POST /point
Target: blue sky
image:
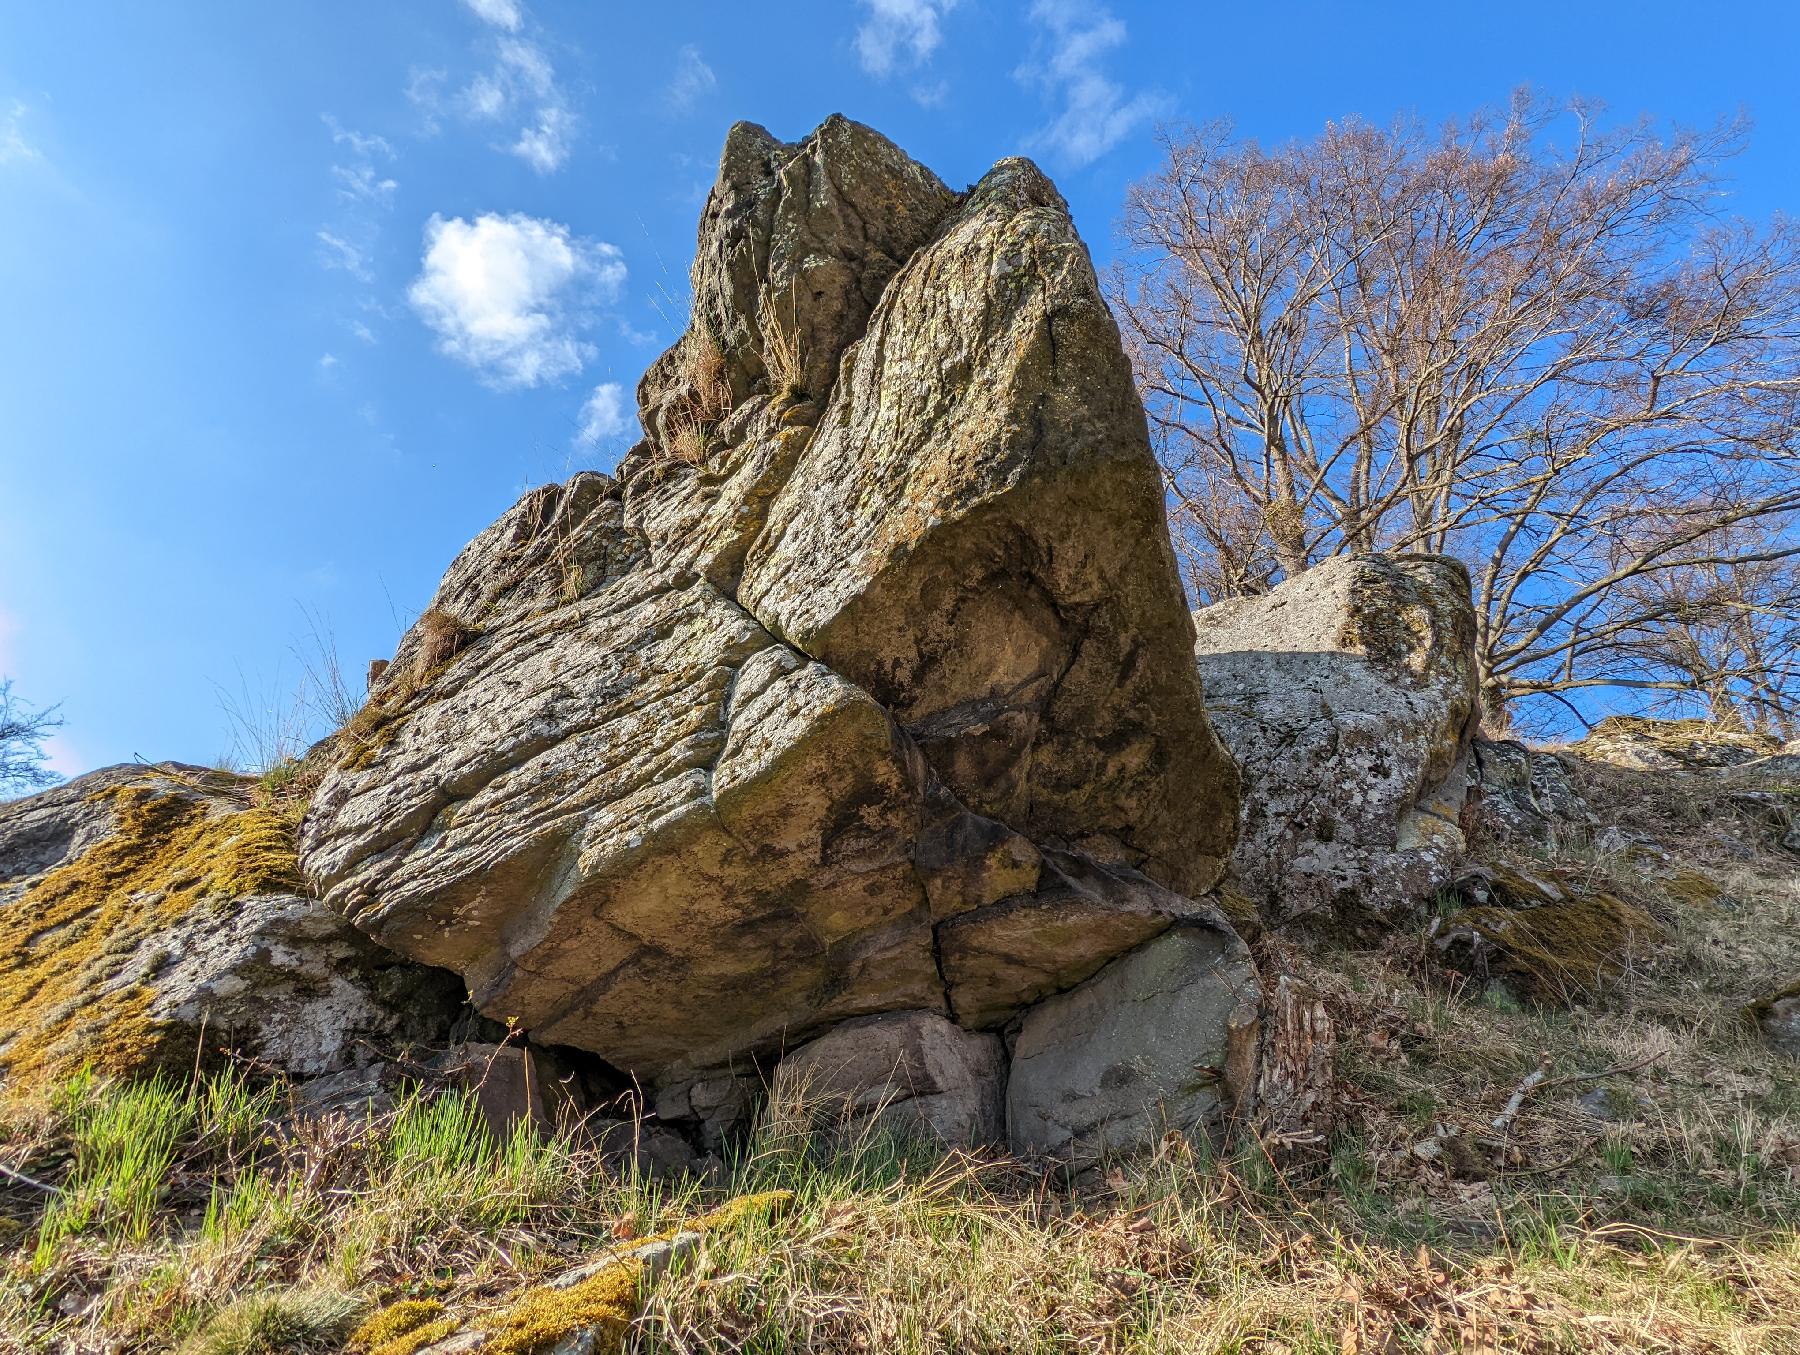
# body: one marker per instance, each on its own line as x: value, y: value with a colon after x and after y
x: 299, y: 296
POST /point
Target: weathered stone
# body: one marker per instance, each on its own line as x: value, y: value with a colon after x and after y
x: 514, y: 1084
x: 1348, y: 696
x: 641, y: 826
x: 915, y: 1073
x: 1777, y: 1017
x: 976, y: 537
x: 801, y: 239
x: 1008, y: 954
x: 796, y: 243
x: 1161, y: 1040
x: 1525, y: 793
x: 689, y: 768
x: 153, y: 915
x: 49, y: 829
x: 1645, y: 744
x: 719, y: 1104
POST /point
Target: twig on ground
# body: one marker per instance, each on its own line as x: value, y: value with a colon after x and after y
x: 11, y: 1175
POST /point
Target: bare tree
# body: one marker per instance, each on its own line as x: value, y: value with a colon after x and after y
x: 22, y: 734
x: 1552, y: 361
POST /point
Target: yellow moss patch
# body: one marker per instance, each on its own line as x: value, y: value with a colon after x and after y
x: 607, y: 1301
x: 397, y: 1319
x: 1565, y: 950
x: 68, y: 942
x: 769, y: 1204
x: 404, y: 1327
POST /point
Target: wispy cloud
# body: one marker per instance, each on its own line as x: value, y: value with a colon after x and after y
x: 1096, y: 111
x: 507, y: 14
x: 693, y: 78
x: 364, y: 192
x: 368, y: 147
x: 603, y: 417
x: 898, y: 34
x: 340, y: 253
x: 509, y: 295
x: 14, y: 147
x: 545, y: 144
x: 327, y: 361
x: 361, y: 183
x: 425, y: 91
x: 522, y: 85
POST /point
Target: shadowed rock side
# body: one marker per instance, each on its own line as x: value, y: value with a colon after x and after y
x: 865, y: 689
x: 1348, y: 696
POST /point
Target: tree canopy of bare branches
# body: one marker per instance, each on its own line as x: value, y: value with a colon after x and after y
x: 22, y: 734
x: 1552, y: 358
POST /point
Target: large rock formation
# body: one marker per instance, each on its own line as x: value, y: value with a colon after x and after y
x: 152, y: 915
x: 1348, y: 696
x: 866, y: 688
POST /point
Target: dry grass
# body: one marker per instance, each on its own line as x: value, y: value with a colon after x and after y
x: 781, y: 348
x: 1641, y: 1195
x: 701, y: 374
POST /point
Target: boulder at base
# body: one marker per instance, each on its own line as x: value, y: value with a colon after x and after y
x: 150, y: 916
x: 915, y: 1072
x: 878, y: 631
x: 1161, y: 1040
x: 1348, y: 696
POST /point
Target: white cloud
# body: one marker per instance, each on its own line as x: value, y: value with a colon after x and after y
x: 521, y: 84
x: 899, y: 33
x: 340, y: 253
x: 546, y: 145
x: 507, y: 14
x: 603, y: 417
x: 362, y: 331
x: 1096, y: 114
x: 14, y: 148
x: 693, y: 78
x: 507, y: 295
x: 327, y: 361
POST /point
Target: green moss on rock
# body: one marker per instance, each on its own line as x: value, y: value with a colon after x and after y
x: 69, y: 944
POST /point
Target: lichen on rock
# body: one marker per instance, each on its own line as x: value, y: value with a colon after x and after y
x: 1348, y: 695
x: 177, y: 907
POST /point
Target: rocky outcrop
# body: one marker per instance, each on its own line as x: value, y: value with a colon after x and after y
x: 1348, y: 697
x: 152, y: 915
x: 865, y: 689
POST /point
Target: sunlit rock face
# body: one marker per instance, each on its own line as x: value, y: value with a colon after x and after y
x: 866, y: 687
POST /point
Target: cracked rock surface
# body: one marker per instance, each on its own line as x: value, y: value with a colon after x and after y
x: 1348, y: 696
x: 866, y: 687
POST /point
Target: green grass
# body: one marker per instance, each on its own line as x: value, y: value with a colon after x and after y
x: 193, y: 1225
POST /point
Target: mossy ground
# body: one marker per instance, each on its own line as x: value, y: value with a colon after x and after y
x: 72, y: 944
